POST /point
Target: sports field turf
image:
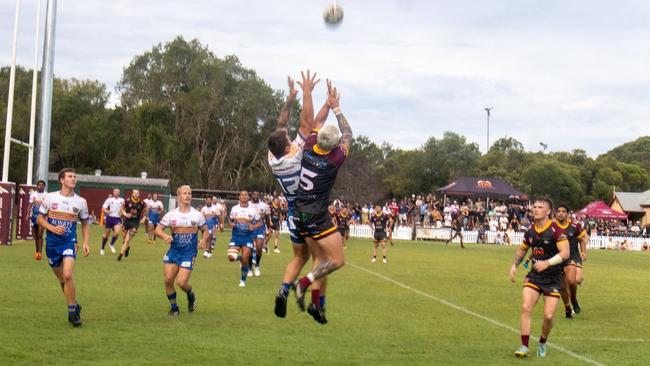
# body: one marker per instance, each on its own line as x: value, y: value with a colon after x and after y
x: 430, y: 305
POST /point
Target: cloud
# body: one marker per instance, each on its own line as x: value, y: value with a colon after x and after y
x: 570, y: 74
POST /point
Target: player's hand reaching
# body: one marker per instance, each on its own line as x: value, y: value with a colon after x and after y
x: 292, y: 88
x: 513, y: 271
x: 308, y: 82
x: 333, y: 97
x: 540, y: 266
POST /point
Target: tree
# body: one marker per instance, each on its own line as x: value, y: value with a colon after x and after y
x: 219, y: 112
x: 360, y: 178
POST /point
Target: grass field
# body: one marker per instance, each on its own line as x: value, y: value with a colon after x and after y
x: 430, y: 305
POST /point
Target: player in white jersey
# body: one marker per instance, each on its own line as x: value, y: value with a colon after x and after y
x: 244, y: 220
x: 155, y: 210
x: 58, y: 215
x: 147, y: 202
x: 209, y: 212
x: 261, y: 232
x: 112, y: 208
x: 35, y: 199
x: 184, y: 222
x: 285, y: 159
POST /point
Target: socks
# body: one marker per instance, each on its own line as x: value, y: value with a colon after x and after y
x: 104, y: 242
x: 286, y: 287
x: 172, y: 301
x: 72, y: 309
x: 315, y: 297
x: 190, y: 295
x: 258, y: 259
x: 322, y: 301
x: 244, y: 272
x: 524, y: 340
x: 306, y: 281
x: 113, y: 239
x: 542, y: 340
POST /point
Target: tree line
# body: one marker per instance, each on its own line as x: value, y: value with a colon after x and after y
x: 194, y: 118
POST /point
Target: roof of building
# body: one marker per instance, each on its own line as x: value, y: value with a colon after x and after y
x: 632, y: 201
x: 106, y: 179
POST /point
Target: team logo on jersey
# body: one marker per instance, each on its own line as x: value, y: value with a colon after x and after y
x: 75, y: 210
x: 55, y: 205
x: 173, y: 222
x: 193, y: 223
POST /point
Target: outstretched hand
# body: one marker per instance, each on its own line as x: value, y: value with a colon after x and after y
x: 333, y: 97
x: 292, y: 88
x: 308, y: 82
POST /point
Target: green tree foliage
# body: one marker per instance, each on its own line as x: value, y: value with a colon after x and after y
x: 634, y: 152
x: 190, y: 116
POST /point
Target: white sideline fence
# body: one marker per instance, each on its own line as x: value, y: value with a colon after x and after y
x: 471, y: 236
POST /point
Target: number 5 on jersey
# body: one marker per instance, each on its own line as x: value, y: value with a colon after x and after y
x: 305, y: 179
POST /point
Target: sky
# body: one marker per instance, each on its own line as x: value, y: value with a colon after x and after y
x: 571, y: 74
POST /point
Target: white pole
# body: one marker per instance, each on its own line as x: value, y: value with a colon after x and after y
x: 32, y: 116
x: 47, y: 78
x: 10, y: 102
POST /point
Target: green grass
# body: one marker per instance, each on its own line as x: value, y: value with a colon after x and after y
x: 372, y: 320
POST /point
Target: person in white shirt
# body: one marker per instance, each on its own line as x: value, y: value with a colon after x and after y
x: 244, y: 220
x: 112, y: 208
x: 35, y: 199
x: 58, y: 215
x: 155, y: 210
x: 185, y: 222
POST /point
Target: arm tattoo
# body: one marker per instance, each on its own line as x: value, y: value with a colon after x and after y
x: 323, y: 269
x: 346, y: 130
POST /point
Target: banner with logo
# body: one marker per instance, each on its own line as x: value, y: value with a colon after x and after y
x: 23, y: 223
x: 7, y: 194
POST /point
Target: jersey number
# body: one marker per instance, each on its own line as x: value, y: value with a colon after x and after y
x: 305, y: 179
x: 289, y: 185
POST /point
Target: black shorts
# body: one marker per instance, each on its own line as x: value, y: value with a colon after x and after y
x: 275, y: 225
x: 344, y: 231
x: 380, y: 236
x: 548, y: 285
x: 130, y: 224
x: 316, y: 226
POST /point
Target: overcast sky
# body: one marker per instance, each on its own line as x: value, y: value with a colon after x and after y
x: 571, y: 74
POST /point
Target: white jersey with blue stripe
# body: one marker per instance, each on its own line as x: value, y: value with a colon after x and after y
x: 286, y: 170
x: 185, y: 227
x: 211, y: 214
x: 63, y: 211
x: 243, y: 216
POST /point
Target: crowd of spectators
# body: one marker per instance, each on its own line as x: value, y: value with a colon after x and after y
x: 503, y: 217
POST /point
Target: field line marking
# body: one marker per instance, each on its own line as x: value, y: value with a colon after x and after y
x: 605, y: 339
x: 472, y: 313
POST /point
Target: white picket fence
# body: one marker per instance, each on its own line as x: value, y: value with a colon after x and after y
x: 595, y: 241
x: 471, y: 236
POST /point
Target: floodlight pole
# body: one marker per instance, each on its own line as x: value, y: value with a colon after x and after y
x: 45, y: 120
x: 10, y: 101
x: 487, y: 148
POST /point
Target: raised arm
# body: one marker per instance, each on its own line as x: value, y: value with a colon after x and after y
x: 307, y: 114
x: 333, y: 98
x: 285, y: 113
